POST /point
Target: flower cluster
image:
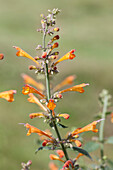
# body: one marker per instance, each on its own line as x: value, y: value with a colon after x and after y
x: 46, y: 96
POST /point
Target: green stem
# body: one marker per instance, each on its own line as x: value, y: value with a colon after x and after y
x: 49, y: 96
x: 101, y: 131
x: 54, y: 124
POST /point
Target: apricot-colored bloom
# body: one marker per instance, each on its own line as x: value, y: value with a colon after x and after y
x: 29, y: 89
x: 52, y: 166
x: 60, y: 153
x: 78, y: 143
x: 65, y: 115
x: 33, y: 129
x: 78, y: 156
x: 22, y: 53
x: 55, y: 157
x: 78, y: 88
x: 33, y: 99
x: 68, y: 81
x: 51, y: 105
x: 40, y: 114
x: 89, y: 127
x: 112, y: 117
x: 70, y: 55
x: 8, y: 95
x: 29, y: 80
x: 67, y: 164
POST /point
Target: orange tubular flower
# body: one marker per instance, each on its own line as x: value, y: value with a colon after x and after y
x: 29, y: 80
x: 33, y: 129
x: 51, y: 105
x: 8, y: 95
x: 89, y: 127
x: 78, y: 156
x: 68, y: 81
x: 40, y: 114
x: 29, y: 89
x: 33, y: 99
x: 22, y: 53
x: 78, y: 88
x: 67, y: 164
x: 52, y: 166
x: 67, y: 56
x: 60, y: 153
x: 55, y: 157
x: 65, y: 116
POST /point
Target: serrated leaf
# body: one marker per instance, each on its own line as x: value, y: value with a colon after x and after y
x: 80, y: 150
x: 110, y: 140
x: 61, y: 125
x: 91, y: 146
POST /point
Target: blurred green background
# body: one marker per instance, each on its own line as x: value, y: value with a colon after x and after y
x: 85, y: 25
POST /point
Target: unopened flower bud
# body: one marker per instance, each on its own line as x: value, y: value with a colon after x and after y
x: 56, y: 29
x: 44, y: 54
x: 37, y: 58
x: 39, y: 47
x: 56, y: 37
x: 55, y: 53
x: 55, y: 45
x: 1, y: 56
x: 32, y: 67
x: 42, y: 16
x: 29, y: 163
x: 40, y: 30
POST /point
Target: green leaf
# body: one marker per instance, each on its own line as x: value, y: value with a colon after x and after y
x: 81, y: 151
x: 108, y: 113
x: 76, y: 167
x: 91, y: 146
x: 110, y: 163
x: 110, y: 140
x: 61, y: 125
x: 40, y: 148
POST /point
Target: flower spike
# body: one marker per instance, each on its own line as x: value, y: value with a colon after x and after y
x: 70, y: 55
x: 22, y: 53
x: 29, y: 89
x: 29, y: 80
x: 8, y: 95
x: 78, y: 88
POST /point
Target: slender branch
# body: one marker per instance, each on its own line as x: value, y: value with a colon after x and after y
x: 101, y: 131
